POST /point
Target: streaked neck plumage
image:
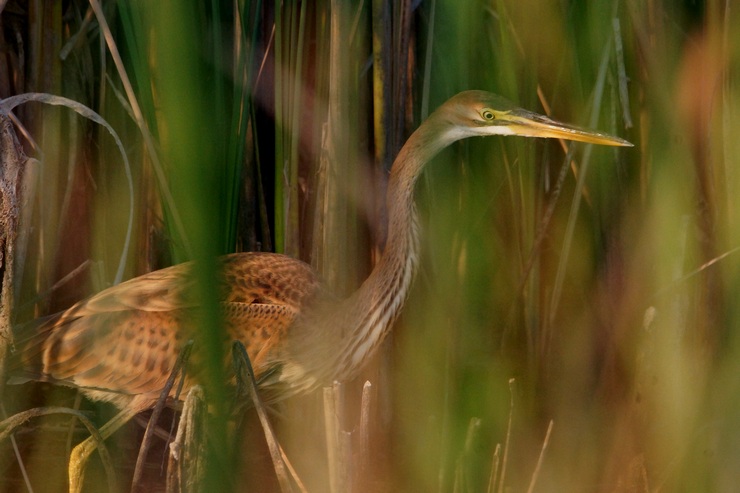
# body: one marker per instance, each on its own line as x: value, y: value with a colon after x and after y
x: 374, y: 307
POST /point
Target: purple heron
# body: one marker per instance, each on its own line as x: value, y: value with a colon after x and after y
x: 121, y: 344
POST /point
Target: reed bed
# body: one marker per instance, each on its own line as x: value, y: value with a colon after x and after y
x: 573, y: 326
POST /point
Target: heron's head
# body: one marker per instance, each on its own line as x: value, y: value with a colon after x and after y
x: 473, y: 113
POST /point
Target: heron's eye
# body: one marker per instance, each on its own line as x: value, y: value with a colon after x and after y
x: 488, y: 114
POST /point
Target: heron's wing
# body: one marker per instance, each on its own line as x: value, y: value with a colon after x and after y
x: 123, y: 351
x: 263, y: 299
x: 161, y: 290
x: 246, y: 278
x: 270, y: 279
x: 127, y: 338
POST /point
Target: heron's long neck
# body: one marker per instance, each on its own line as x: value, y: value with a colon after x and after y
x: 376, y: 305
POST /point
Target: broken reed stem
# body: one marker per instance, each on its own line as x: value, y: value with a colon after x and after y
x: 344, y: 470
x: 245, y: 376
x: 460, y: 481
x: 365, y: 410
x: 340, y: 409
x: 338, y: 441
x: 158, y: 408
x: 512, y: 381
x: 494, y: 468
x: 344, y: 464
x: 331, y: 438
x: 345, y: 461
x: 186, y: 464
x: 537, y: 468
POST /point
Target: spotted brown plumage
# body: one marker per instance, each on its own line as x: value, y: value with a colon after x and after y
x: 124, y: 341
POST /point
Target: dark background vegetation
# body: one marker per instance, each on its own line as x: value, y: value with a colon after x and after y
x: 610, y: 297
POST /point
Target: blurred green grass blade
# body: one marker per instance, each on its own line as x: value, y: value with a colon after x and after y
x: 193, y: 150
x: 244, y: 46
x: 280, y: 171
x: 135, y: 40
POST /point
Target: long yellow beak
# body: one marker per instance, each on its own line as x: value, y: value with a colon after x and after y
x: 528, y: 124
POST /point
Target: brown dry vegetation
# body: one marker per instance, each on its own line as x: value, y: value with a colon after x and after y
x: 573, y: 326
